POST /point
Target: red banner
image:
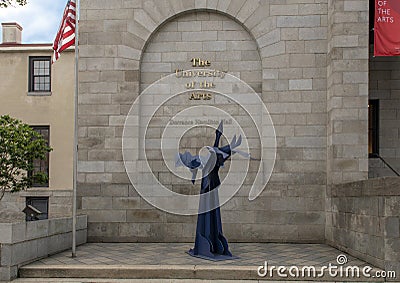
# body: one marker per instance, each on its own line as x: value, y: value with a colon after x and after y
x: 387, y: 28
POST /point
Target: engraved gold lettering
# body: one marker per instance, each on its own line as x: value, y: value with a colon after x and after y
x: 198, y: 62
x: 200, y: 96
x: 178, y: 73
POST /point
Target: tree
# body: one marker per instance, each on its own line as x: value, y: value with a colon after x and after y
x: 19, y: 146
x: 8, y: 3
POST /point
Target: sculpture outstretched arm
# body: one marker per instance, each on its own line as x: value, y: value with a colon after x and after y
x: 218, y: 133
x: 236, y: 143
x: 228, y: 149
x: 189, y: 161
x: 231, y: 149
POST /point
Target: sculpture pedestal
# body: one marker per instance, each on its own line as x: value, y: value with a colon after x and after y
x: 210, y: 242
x: 215, y: 257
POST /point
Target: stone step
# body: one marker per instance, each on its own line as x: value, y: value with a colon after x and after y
x: 213, y: 272
x: 90, y: 280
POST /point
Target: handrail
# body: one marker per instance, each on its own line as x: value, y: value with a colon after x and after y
x: 387, y: 164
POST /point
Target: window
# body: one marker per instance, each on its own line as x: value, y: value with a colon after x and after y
x: 39, y: 74
x: 373, y: 128
x: 41, y: 204
x: 42, y: 165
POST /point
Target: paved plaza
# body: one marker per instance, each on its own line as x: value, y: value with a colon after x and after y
x: 250, y: 254
x: 164, y: 261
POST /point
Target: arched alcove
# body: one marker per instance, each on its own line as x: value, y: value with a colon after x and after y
x: 208, y: 36
x: 201, y: 34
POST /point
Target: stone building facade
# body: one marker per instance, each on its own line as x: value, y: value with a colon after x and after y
x: 309, y: 62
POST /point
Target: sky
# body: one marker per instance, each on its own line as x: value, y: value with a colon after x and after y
x: 39, y: 19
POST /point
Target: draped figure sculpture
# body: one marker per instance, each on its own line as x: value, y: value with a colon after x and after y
x: 210, y: 243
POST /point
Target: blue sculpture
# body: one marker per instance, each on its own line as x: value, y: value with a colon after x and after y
x: 210, y: 242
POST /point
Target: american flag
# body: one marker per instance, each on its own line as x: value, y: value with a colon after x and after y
x: 66, y: 33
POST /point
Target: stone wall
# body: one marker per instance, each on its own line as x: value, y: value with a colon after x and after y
x: 365, y: 221
x: 25, y: 242
x: 120, y: 46
x: 384, y: 78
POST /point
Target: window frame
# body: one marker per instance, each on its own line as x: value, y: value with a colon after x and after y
x: 47, y: 160
x: 31, y: 75
x: 374, y: 103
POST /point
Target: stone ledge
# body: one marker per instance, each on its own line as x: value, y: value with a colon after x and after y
x: 387, y: 186
x: 22, y: 243
x: 364, y: 221
x: 12, y: 233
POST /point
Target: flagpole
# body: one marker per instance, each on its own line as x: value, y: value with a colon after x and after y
x: 75, y: 174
